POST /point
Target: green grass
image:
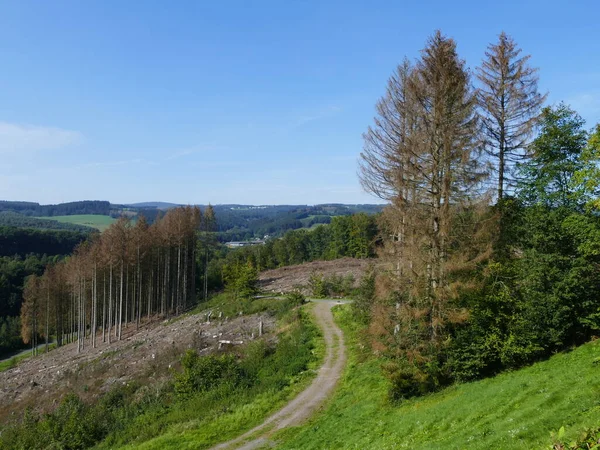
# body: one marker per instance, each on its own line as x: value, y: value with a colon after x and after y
x: 91, y: 220
x: 515, y: 410
x: 12, y: 362
x: 15, y: 359
x: 229, y: 306
x: 307, y: 220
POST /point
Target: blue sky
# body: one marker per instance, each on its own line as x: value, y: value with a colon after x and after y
x: 260, y: 102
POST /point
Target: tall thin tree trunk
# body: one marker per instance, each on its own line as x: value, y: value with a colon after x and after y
x: 104, y: 305
x: 110, y: 302
x: 178, y: 289
x: 121, y: 302
x: 47, y: 313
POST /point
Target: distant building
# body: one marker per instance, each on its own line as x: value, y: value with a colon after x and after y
x: 236, y: 244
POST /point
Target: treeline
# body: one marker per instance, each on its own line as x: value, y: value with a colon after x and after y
x: 129, y: 272
x: 473, y: 289
x: 62, y: 209
x: 352, y: 236
x: 12, y: 219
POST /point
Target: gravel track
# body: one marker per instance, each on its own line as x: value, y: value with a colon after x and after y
x: 309, y: 400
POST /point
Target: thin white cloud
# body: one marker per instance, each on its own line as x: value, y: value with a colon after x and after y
x: 20, y: 138
x: 322, y: 114
x: 111, y: 163
x: 96, y: 165
x: 175, y: 154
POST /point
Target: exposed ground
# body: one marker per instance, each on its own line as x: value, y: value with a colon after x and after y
x: 285, y: 279
x: 312, y: 398
x: 144, y: 355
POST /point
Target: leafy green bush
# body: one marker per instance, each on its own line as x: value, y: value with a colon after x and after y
x: 317, y: 286
x: 201, y: 374
x: 407, y: 381
x: 295, y: 298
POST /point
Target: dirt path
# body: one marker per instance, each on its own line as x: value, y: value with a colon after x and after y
x: 309, y: 400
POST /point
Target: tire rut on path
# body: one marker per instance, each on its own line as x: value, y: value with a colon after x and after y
x: 309, y: 400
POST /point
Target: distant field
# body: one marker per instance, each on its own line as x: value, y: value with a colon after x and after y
x: 306, y: 222
x: 90, y: 220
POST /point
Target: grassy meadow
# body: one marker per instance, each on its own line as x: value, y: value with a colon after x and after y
x: 515, y: 410
x: 91, y: 220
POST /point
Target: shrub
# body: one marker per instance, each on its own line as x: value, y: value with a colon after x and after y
x: 317, y: 286
x: 295, y: 298
x: 407, y: 381
x: 201, y: 374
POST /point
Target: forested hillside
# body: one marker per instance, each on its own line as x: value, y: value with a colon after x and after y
x: 240, y: 222
x: 27, y: 245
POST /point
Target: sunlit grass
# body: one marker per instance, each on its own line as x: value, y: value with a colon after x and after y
x: 515, y: 410
x: 97, y: 221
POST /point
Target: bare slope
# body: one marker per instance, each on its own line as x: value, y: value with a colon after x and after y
x: 287, y: 278
x: 144, y: 355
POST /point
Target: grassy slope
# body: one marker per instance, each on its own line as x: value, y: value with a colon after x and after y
x: 91, y: 220
x: 517, y: 410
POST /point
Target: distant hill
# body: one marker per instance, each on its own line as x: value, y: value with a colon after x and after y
x: 235, y: 222
x: 61, y: 209
x: 157, y: 205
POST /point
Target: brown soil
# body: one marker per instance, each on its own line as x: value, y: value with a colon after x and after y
x: 145, y: 355
x: 309, y: 400
x: 286, y: 279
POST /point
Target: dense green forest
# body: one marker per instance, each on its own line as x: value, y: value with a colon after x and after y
x: 24, y: 241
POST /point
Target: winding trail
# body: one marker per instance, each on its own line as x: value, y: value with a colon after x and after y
x: 309, y: 400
